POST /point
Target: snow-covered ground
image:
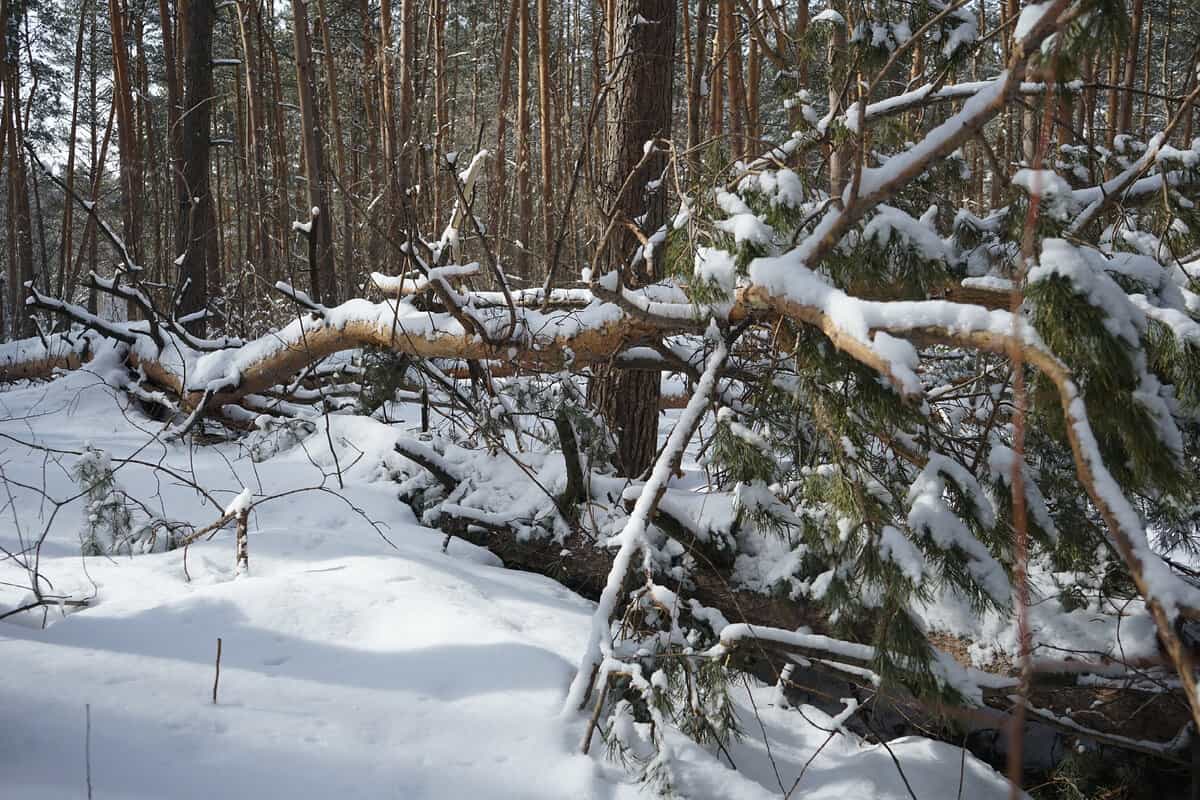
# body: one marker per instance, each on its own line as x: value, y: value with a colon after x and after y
x: 350, y: 667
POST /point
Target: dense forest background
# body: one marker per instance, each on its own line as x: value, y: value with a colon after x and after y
x: 260, y: 111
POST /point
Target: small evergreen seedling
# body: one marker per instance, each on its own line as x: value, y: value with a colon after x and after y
x: 107, y: 521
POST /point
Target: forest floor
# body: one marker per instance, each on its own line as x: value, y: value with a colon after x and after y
x: 350, y: 667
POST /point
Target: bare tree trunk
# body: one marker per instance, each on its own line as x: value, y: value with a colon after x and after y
x: 1114, y: 96
x: 639, y: 110
x: 20, y: 234
x: 753, y: 75
x: 127, y: 138
x: 87, y: 248
x: 387, y: 120
x: 339, y: 147
x: 736, y: 86
x: 68, y: 223
x: 259, y: 251
x: 499, y: 217
x: 544, y: 119
x: 716, y: 81
x: 1131, y: 57
x: 7, y: 304
x: 408, y: 60
x: 837, y: 153
x: 197, y: 231
x: 442, y: 191
x: 698, y: 66
x: 174, y: 131
x: 1148, y: 57
x: 802, y: 62
x: 370, y: 130
x: 524, y: 198
x: 152, y: 202
x: 279, y: 146
x: 95, y: 166
x: 321, y: 275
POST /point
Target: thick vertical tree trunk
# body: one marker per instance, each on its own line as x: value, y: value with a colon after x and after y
x: 1114, y: 96
x: 639, y: 110
x: 95, y: 168
x: 838, y: 154
x: 258, y: 252
x: 499, y: 217
x: 20, y: 219
x: 68, y: 223
x: 544, y: 120
x: 443, y: 191
x: 696, y: 77
x: 174, y: 93
x: 737, y: 86
x: 281, y: 166
x: 801, y: 31
x: 408, y: 62
x: 1131, y: 58
x: 321, y: 275
x: 127, y: 137
x: 524, y: 196
x: 7, y: 303
x: 387, y: 119
x: 915, y: 72
x: 196, y: 237
x: 87, y: 249
x: 368, y: 133
x: 753, y: 76
x: 716, y: 80
x: 1147, y: 58
x: 152, y: 202
x: 339, y: 146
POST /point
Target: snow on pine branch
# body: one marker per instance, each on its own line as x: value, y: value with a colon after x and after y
x: 631, y: 539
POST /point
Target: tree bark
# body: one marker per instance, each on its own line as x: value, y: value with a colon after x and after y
x: 127, y: 137
x: 735, y: 90
x: 696, y: 76
x: 196, y: 229
x: 259, y: 250
x: 753, y: 77
x: 544, y: 120
x: 321, y: 271
x: 716, y: 79
x: 339, y: 149
x: 524, y: 196
x: 20, y: 222
x: 838, y: 154
x: 68, y: 224
x: 499, y: 215
x: 1131, y: 58
x: 443, y: 190
x: 408, y: 60
x: 639, y: 110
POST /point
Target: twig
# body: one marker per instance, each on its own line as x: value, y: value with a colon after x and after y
x: 87, y: 747
x: 595, y: 718
x: 243, y: 553
x: 217, y: 677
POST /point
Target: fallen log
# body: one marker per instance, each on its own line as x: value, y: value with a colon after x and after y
x: 1079, y: 698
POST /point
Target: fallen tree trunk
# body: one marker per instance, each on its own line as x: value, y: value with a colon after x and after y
x: 1064, y: 696
x: 554, y: 340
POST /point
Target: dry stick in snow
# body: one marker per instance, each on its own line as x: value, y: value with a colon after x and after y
x: 217, y: 677
x: 243, y: 552
x: 87, y: 747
